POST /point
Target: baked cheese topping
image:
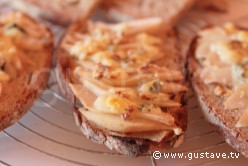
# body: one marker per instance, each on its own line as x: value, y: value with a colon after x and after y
x: 223, y: 52
x: 130, y: 89
x: 18, y: 35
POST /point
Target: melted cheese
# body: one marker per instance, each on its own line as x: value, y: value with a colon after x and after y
x: 128, y: 92
x: 231, y: 52
x: 115, y: 104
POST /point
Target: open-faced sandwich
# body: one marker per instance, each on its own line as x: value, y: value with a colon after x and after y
x: 59, y: 11
x: 25, y: 58
x: 169, y: 10
x: 218, y: 62
x: 129, y: 81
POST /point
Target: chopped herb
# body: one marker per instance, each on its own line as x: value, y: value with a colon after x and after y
x: 126, y: 116
x: 116, y: 57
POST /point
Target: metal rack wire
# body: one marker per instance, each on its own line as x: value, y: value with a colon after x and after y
x: 47, y: 134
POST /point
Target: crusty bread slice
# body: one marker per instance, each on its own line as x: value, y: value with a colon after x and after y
x: 122, y: 143
x: 62, y: 11
x: 170, y: 10
x: 26, y: 83
x: 213, y: 107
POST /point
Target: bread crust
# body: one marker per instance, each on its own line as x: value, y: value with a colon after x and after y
x: 170, y: 10
x: 20, y: 102
x: 213, y: 108
x: 124, y: 145
x: 59, y: 12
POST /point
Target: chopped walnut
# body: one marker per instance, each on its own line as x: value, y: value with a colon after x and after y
x: 126, y: 116
x: 123, y: 95
x: 147, y: 68
x: 98, y: 73
x: 147, y: 96
x: 130, y: 109
x: 116, y: 57
x: 219, y: 91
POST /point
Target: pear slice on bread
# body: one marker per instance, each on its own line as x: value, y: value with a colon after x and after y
x: 222, y: 95
x: 126, y: 84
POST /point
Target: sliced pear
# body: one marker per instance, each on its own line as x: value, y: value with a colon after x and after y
x: 115, y: 123
x: 162, y: 117
x: 165, y: 103
x: 126, y: 80
x: 243, y: 121
x: 162, y: 72
x: 156, y: 136
x: 95, y: 86
x: 158, y: 99
x: 173, y: 87
x: 85, y: 96
x: 150, y: 25
x: 239, y: 98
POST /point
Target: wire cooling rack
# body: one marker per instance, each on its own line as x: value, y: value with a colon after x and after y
x: 47, y: 134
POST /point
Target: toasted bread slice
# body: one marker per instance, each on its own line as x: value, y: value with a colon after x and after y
x: 170, y: 10
x: 141, y: 108
x: 25, y: 58
x: 62, y: 11
x: 218, y: 74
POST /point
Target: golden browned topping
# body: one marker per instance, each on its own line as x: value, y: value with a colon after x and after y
x: 223, y: 51
x: 18, y: 34
x: 117, y: 65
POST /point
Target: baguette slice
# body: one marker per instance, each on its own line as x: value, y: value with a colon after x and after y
x: 25, y: 60
x: 170, y: 10
x: 78, y: 85
x: 219, y: 101
x: 61, y: 12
